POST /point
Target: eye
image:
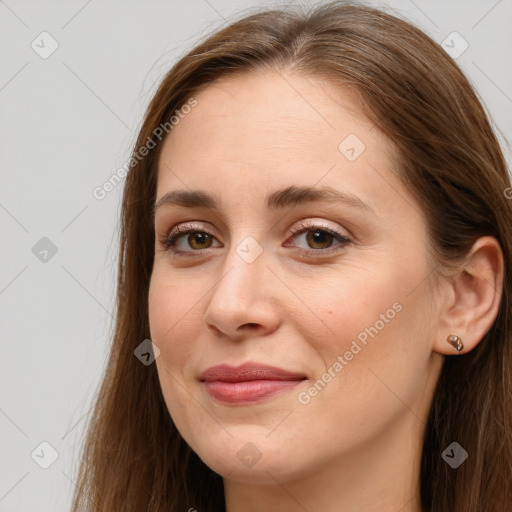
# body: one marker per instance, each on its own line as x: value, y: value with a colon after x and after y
x: 197, y: 238
x: 316, y: 235
x: 319, y: 237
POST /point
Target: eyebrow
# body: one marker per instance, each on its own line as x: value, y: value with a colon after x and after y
x: 282, y: 198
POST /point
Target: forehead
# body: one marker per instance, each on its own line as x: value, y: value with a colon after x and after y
x: 274, y: 129
x: 256, y: 106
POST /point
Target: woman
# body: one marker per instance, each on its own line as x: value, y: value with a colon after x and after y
x: 316, y: 239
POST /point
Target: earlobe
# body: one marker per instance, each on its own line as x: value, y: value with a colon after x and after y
x: 475, y: 296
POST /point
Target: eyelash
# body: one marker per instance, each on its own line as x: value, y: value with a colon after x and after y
x: 169, y: 243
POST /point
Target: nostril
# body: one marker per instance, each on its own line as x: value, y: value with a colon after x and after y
x: 248, y: 326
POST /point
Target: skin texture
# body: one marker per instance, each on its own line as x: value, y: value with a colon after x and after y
x: 356, y: 444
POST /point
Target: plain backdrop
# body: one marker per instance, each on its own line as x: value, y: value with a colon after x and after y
x: 67, y: 123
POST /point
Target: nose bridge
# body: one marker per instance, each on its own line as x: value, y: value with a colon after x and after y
x: 236, y: 298
x: 243, y: 269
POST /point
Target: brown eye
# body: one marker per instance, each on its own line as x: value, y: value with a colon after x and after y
x: 199, y: 240
x: 188, y: 241
x: 319, y: 239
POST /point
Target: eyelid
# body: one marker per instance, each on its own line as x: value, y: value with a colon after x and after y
x: 303, y: 224
x: 185, y: 226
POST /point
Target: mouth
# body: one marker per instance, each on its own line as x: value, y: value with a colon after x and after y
x: 248, y: 383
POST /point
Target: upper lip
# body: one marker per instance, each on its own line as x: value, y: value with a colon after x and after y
x: 248, y: 371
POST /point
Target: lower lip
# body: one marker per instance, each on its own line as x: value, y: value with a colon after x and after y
x: 249, y: 391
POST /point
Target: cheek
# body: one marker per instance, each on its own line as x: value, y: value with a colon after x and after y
x: 174, y: 325
x: 171, y: 306
x: 173, y: 330
x: 369, y: 338
x: 354, y: 306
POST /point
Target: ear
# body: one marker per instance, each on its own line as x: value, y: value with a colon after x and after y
x: 473, y: 298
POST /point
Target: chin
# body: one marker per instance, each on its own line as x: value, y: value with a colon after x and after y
x: 229, y: 466
x: 258, y: 463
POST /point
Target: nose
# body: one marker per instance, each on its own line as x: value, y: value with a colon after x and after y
x: 243, y: 302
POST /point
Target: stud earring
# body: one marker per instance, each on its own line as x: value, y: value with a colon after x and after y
x: 455, y: 341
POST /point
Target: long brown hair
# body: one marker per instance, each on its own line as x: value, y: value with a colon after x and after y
x: 133, y: 458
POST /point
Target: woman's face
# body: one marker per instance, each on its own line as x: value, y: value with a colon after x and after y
x: 333, y: 289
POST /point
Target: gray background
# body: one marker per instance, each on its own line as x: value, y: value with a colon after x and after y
x: 67, y: 124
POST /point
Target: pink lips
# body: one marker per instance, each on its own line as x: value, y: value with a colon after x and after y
x: 248, y: 383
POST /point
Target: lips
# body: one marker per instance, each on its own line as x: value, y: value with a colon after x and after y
x: 248, y: 371
x: 250, y: 382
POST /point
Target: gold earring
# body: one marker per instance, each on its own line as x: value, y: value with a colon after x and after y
x: 455, y: 341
